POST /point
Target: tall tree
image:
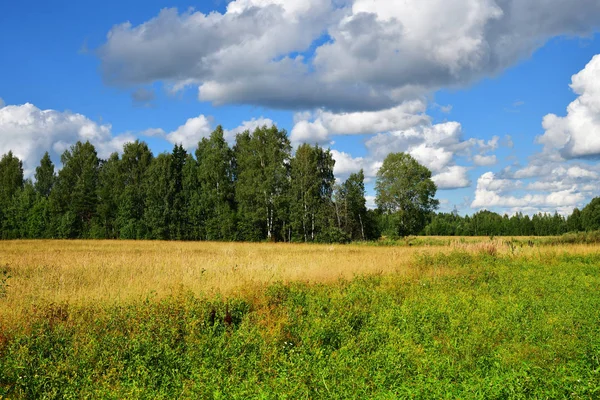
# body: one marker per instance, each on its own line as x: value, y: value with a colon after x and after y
x: 111, y: 187
x: 45, y: 176
x: 574, y: 223
x: 191, y: 197
x: 133, y: 166
x: 158, y: 189
x: 590, y: 215
x: 405, y: 193
x: 357, y: 225
x: 11, y: 177
x: 215, y: 178
x: 74, y: 197
x: 311, y: 190
x: 262, y: 172
x: 177, y: 204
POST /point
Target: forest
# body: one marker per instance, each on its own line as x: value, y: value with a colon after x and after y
x: 256, y: 190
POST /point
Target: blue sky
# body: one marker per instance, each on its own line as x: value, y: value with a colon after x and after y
x: 469, y: 88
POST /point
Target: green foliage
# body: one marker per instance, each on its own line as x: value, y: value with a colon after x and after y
x: 262, y: 180
x: 128, y: 175
x: 158, y: 189
x: 311, y: 206
x: 11, y: 177
x: 215, y: 179
x: 45, y: 176
x: 466, y: 326
x: 488, y: 223
x: 405, y: 193
x: 256, y: 191
x: 112, y: 201
x: 74, y: 197
x: 590, y: 216
x: 351, y: 209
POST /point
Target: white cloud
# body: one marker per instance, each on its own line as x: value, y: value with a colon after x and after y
x: 578, y: 133
x: 490, y: 192
x: 371, y: 205
x: 453, y: 177
x: 484, y: 160
x: 154, y: 132
x: 29, y: 132
x: 434, y: 158
x: 250, y: 125
x: 345, y: 165
x: 190, y: 133
x: 379, y: 52
x: 194, y: 129
x: 447, y: 134
x: 1, y: 103
x: 324, y: 124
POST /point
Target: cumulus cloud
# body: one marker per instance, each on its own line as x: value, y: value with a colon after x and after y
x: 434, y: 146
x: 480, y: 160
x: 453, y: 177
x: 1, y: 103
x: 495, y: 192
x: 250, y: 126
x: 560, y: 169
x: 188, y: 135
x: 352, y: 55
x: 325, y: 124
x: 29, y: 132
x: 345, y: 165
x: 194, y: 129
x: 577, y: 135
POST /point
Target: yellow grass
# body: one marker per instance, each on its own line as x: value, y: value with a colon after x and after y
x: 101, y: 272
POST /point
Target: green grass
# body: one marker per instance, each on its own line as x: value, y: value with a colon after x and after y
x: 469, y: 326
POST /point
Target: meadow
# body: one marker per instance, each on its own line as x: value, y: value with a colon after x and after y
x: 420, y: 318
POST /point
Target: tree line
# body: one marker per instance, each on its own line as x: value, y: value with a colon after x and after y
x: 255, y: 190
x: 487, y: 223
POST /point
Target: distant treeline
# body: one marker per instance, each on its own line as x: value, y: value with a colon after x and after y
x: 254, y: 191
x: 486, y: 223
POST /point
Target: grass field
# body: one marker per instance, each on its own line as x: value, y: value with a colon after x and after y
x: 428, y: 318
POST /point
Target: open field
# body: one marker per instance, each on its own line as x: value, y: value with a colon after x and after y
x: 472, y: 318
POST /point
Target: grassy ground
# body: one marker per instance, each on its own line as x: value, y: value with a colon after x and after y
x: 481, y: 319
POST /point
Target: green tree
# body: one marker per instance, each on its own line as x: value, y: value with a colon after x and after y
x: 262, y: 172
x: 191, y: 198
x: 110, y: 190
x: 45, y: 176
x: 216, y: 182
x: 405, y: 193
x: 11, y: 181
x: 357, y: 224
x: 74, y: 198
x: 590, y: 215
x: 19, y: 212
x: 158, y: 189
x: 11, y: 177
x: 134, y: 163
x: 574, y: 222
x: 177, y: 206
x: 311, y: 205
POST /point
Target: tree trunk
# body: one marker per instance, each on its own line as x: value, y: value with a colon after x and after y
x: 362, y: 228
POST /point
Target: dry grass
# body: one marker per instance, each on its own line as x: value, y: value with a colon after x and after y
x: 102, y: 272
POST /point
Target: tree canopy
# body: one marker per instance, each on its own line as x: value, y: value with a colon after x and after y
x: 405, y: 193
x: 256, y: 190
